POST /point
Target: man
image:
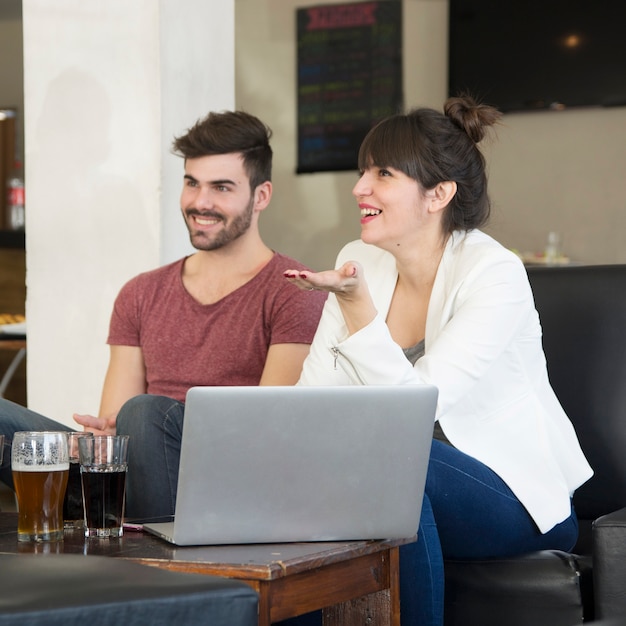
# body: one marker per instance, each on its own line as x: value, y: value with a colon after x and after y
x: 221, y: 316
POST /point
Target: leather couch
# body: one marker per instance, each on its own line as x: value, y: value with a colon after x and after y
x: 77, y: 590
x: 583, y: 314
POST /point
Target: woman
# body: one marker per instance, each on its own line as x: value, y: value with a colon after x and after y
x: 426, y: 297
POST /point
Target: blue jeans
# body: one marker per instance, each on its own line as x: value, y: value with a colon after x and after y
x: 468, y: 513
x: 155, y: 426
x: 13, y: 418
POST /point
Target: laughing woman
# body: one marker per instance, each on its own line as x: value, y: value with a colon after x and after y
x: 426, y: 297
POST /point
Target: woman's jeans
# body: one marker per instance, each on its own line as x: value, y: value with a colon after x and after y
x: 468, y: 513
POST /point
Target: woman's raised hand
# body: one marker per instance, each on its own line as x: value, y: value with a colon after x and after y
x: 344, y: 281
x: 348, y: 284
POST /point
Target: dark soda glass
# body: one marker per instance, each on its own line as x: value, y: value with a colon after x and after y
x: 103, y: 492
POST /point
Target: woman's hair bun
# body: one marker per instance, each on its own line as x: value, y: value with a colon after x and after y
x: 471, y: 116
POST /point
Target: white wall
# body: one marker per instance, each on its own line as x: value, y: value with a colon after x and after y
x: 108, y: 84
x: 561, y: 171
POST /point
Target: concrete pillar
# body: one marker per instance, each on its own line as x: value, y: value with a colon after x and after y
x: 107, y: 85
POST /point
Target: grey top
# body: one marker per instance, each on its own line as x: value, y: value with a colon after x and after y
x: 413, y: 353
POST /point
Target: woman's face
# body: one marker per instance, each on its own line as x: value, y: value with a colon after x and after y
x: 393, y: 207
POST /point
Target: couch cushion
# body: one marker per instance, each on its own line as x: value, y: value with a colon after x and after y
x: 538, y: 588
x: 76, y: 590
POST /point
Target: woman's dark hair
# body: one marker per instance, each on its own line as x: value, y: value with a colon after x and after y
x: 231, y: 132
x: 433, y: 147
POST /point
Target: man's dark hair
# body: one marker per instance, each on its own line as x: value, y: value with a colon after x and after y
x: 227, y: 133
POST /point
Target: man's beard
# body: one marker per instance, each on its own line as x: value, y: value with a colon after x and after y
x: 239, y: 225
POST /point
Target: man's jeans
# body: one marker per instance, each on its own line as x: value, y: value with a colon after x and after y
x: 14, y: 418
x: 155, y: 426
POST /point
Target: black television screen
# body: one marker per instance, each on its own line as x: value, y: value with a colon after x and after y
x: 538, y: 54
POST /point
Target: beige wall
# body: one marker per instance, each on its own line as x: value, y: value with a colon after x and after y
x: 562, y: 171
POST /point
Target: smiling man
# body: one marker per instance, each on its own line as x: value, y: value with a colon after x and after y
x: 221, y: 316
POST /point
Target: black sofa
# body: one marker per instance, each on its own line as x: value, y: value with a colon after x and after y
x: 77, y: 590
x: 583, y: 314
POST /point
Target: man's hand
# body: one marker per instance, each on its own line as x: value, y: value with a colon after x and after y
x: 96, y: 425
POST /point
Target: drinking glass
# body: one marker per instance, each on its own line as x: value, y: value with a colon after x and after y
x: 40, y: 465
x: 73, y: 513
x: 103, y: 466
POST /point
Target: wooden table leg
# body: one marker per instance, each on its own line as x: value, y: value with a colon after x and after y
x: 264, y: 603
x: 394, y: 585
x: 373, y: 609
x: 378, y: 609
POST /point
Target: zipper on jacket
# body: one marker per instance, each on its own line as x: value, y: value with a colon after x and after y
x: 348, y: 368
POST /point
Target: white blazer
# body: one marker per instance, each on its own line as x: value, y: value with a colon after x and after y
x: 483, y: 351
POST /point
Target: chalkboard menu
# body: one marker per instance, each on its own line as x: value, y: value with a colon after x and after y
x: 349, y: 77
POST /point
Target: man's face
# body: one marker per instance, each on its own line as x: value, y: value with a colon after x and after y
x: 216, y: 201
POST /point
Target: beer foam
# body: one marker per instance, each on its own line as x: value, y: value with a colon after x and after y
x: 29, y: 467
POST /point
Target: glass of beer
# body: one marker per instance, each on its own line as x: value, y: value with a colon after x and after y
x: 40, y: 465
x: 103, y: 466
x: 73, y: 513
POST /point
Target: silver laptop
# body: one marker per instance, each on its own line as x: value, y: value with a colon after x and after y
x: 293, y: 464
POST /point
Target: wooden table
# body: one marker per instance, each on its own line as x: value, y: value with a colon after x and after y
x: 354, y: 582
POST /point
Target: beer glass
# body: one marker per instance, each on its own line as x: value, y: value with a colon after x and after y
x: 103, y: 465
x: 40, y: 465
x: 73, y: 513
